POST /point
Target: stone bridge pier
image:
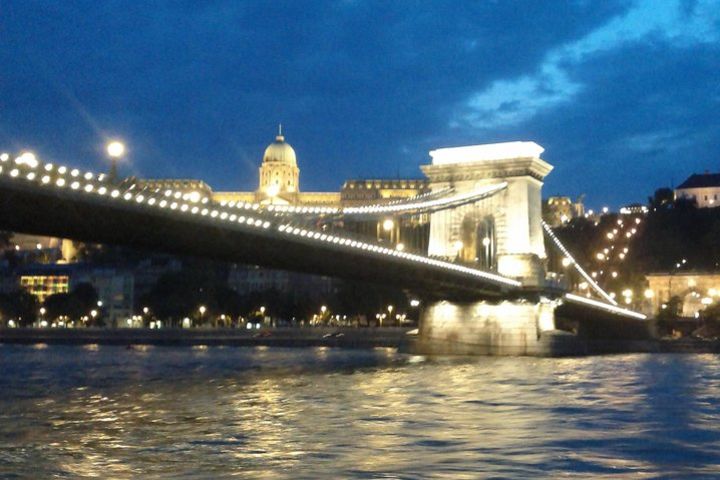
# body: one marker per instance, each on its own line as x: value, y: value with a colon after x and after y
x: 502, y: 233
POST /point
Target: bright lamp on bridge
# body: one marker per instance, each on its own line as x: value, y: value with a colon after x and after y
x: 115, y: 149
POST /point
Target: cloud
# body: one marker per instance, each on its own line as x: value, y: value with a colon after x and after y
x: 511, y: 101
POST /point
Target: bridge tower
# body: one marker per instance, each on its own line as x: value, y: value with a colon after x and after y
x: 503, y: 232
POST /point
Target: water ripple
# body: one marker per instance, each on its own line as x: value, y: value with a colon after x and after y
x: 111, y: 412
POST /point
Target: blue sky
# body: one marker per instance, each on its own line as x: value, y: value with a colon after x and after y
x: 624, y: 96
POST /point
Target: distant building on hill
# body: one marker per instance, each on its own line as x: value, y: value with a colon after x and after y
x: 559, y: 210
x: 704, y: 188
x: 695, y: 290
x: 634, y: 209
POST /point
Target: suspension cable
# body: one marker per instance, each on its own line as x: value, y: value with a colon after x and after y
x: 573, y: 262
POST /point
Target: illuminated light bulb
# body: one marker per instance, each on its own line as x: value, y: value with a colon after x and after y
x: 75, y: 185
x: 14, y: 172
x: 102, y: 190
x: 74, y: 172
x: 115, y: 149
x: 88, y: 188
x: 151, y: 201
x: 62, y: 170
x: 88, y: 176
x: 60, y: 182
x: 27, y: 158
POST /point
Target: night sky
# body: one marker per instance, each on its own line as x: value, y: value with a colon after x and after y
x: 624, y: 96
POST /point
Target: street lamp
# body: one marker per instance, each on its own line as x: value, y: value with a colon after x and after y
x: 115, y: 150
x: 202, y: 311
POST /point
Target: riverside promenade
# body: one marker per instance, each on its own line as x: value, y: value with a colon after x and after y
x: 346, y: 337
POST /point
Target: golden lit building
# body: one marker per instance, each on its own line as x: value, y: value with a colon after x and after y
x: 279, y: 183
x: 44, y: 285
x: 559, y: 210
x: 695, y: 290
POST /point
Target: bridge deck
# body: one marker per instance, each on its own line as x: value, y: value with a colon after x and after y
x: 72, y: 207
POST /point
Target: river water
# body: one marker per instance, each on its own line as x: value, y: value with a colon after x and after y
x: 161, y: 412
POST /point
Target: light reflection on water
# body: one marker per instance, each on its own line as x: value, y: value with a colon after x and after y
x: 112, y: 412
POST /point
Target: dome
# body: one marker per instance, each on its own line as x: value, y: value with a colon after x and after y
x: 280, y: 152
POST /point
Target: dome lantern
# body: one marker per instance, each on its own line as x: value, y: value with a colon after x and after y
x: 280, y: 151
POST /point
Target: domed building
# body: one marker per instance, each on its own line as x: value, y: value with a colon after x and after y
x: 279, y: 180
x: 279, y: 173
x: 279, y: 183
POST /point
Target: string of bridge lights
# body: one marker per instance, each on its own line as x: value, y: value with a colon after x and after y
x: 425, y: 202
x: 337, y: 211
x: 27, y: 167
x: 444, y: 202
x: 605, y: 306
x: 575, y: 264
